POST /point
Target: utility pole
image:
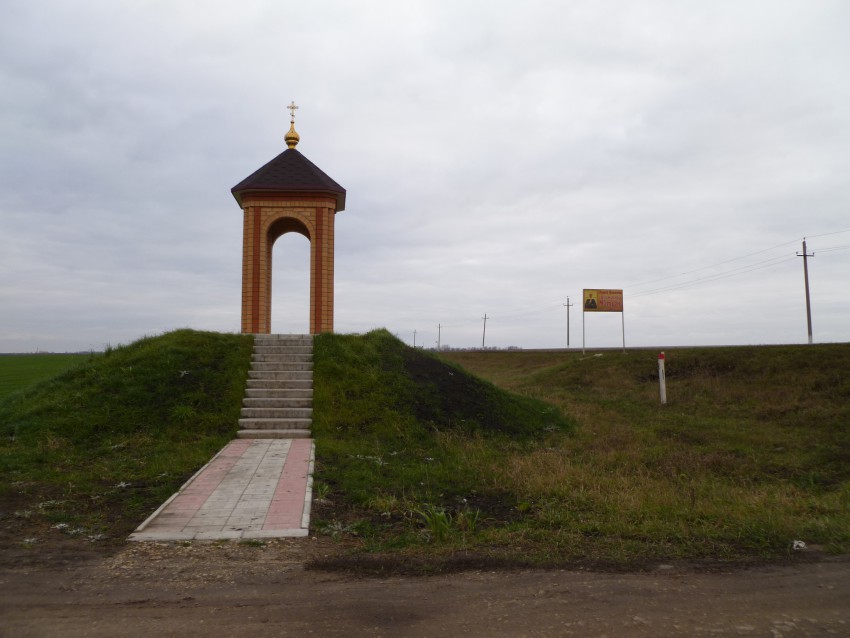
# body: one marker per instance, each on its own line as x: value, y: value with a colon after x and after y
x: 439, y: 331
x: 414, y: 338
x: 484, y: 334
x: 568, y: 305
x: 805, y: 257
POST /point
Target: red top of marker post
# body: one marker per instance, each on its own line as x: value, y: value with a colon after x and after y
x: 661, y: 357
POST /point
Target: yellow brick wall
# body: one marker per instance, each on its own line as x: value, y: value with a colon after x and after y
x: 265, y: 219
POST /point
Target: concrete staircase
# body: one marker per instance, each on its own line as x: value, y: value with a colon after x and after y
x: 278, y: 400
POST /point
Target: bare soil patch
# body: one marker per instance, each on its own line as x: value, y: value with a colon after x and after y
x: 241, y: 589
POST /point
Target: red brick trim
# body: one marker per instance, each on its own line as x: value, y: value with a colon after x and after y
x: 255, y: 279
x: 290, y: 197
x: 319, y: 261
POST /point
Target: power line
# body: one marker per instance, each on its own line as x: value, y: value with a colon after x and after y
x: 727, y: 261
x: 742, y: 269
x: 831, y: 248
x: 768, y: 263
x: 460, y: 323
x: 720, y: 263
x: 835, y: 232
x: 712, y: 276
x: 509, y: 315
x: 526, y: 313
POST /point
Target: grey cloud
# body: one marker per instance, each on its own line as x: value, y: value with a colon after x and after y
x: 497, y: 159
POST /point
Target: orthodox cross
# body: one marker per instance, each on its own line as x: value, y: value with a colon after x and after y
x: 292, y: 108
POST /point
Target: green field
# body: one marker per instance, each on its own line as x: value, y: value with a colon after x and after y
x: 17, y: 371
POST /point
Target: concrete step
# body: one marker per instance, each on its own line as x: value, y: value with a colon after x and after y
x: 271, y: 402
x: 280, y: 366
x: 283, y: 349
x: 282, y: 352
x: 277, y: 413
x: 273, y: 375
x: 278, y: 343
x: 278, y: 399
x: 275, y: 384
x: 283, y: 357
x: 293, y: 342
x: 279, y: 393
x: 274, y: 424
x: 273, y: 434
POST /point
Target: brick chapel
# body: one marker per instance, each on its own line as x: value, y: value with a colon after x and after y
x: 289, y: 194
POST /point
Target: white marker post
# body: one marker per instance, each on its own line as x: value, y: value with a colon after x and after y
x: 661, y: 380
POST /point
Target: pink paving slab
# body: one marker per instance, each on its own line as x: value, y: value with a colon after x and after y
x: 202, y: 486
x: 287, y: 505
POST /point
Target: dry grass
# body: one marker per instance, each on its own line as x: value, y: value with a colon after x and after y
x: 750, y: 454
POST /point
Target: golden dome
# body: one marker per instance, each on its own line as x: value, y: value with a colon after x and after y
x: 291, y: 138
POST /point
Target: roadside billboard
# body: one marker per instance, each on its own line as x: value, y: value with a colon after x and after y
x: 598, y: 300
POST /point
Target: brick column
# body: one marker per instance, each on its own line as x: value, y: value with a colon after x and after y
x: 252, y: 275
x: 322, y: 273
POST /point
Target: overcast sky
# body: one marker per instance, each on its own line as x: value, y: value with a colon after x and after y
x: 499, y: 157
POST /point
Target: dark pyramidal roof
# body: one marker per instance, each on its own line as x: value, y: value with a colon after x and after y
x: 290, y: 171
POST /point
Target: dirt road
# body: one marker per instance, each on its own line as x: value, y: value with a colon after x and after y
x: 228, y: 589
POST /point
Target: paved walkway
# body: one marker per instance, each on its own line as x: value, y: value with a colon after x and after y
x: 253, y: 488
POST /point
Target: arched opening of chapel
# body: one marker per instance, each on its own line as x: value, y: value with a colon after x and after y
x: 290, y: 289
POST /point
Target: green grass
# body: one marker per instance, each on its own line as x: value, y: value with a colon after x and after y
x: 18, y: 371
x: 554, y: 459
x: 385, y: 421
x: 751, y: 453
x: 400, y: 440
x: 96, y: 449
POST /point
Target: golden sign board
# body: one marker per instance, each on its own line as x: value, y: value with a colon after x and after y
x: 596, y: 300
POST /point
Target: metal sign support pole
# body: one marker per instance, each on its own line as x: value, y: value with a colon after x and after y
x: 623, y: 319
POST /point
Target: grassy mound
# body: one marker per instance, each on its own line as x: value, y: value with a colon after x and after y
x: 394, y: 430
x: 363, y: 381
x: 96, y: 449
